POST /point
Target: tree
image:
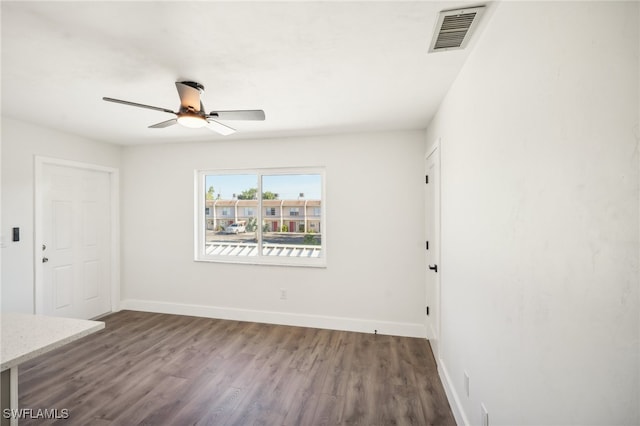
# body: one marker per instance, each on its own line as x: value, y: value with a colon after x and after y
x: 248, y: 194
x: 252, y: 224
x: 269, y: 196
x: 210, y: 192
x: 251, y: 194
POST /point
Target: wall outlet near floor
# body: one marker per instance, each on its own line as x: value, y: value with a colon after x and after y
x: 484, y: 414
x: 283, y: 294
x: 466, y: 383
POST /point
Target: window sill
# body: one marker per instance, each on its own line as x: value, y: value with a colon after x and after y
x: 262, y: 261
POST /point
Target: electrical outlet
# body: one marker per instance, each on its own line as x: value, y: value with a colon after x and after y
x: 466, y: 383
x: 484, y: 415
x: 283, y: 294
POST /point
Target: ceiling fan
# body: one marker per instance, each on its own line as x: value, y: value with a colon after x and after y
x: 191, y: 113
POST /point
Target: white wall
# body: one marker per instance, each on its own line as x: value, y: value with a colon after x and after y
x: 540, y: 217
x: 21, y: 142
x: 375, y: 273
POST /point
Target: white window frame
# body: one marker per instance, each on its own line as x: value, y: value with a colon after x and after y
x: 200, y: 218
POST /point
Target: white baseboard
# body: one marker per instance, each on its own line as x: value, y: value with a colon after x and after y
x: 452, y: 395
x: 434, y: 342
x: 432, y: 333
x: 283, y: 318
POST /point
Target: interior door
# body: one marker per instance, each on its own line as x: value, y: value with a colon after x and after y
x: 432, y: 248
x: 76, y: 242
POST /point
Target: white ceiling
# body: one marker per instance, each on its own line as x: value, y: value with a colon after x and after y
x: 313, y: 67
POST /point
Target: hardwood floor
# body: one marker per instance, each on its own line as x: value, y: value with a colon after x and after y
x: 147, y: 368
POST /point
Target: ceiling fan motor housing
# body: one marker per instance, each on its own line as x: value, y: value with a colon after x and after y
x: 194, y: 84
x: 191, y: 110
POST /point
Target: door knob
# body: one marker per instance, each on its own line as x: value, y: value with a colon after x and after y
x: 434, y: 268
x: 45, y: 259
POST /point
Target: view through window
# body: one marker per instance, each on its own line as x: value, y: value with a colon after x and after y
x: 261, y: 217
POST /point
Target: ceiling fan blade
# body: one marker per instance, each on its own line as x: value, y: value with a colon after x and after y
x: 164, y: 124
x: 119, y: 101
x: 219, y: 127
x: 189, y: 96
x: 256, y: 114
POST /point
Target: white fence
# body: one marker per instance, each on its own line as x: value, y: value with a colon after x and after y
x: 220, y: 248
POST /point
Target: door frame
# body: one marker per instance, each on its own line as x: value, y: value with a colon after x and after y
x: 38, y: 233
x: 435, y: 325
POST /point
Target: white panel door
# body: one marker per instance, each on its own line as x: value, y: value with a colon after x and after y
x: 76, y: 247
x: 432, y: 209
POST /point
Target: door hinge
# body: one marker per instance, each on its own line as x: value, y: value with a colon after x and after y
x: 426, y: 178
x: 427, y: 310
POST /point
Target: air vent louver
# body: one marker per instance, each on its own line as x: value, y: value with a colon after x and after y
x: 454, y: 28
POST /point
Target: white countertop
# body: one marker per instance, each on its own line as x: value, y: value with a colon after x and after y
x: 26, y: 336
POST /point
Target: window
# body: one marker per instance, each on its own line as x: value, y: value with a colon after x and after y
x: 263, y: 217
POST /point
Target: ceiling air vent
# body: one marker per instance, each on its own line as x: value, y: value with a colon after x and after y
x: 454, y: 28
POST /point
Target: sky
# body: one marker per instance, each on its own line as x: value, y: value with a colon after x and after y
x: 286, y: 186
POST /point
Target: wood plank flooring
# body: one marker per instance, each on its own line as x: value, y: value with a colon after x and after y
x: 157, y: 369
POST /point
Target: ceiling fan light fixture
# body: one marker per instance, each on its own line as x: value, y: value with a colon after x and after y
x: 193, y: 121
